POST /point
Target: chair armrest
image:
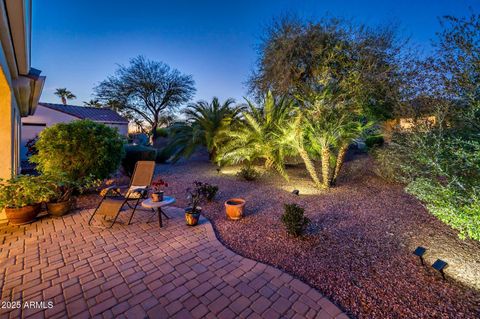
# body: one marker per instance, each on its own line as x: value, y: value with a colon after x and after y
x: 113, y: 189
x: 141, y: 191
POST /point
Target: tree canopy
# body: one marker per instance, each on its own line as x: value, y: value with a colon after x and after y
x: 297, y: 58
x: 64, y: 95
x: 146, y: 90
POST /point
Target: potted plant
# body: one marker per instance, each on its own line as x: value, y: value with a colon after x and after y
x: 192, y: 212
x: 21, y: 197
x: 157, y: 194
x: 234, y: 208
x: 62, y: 200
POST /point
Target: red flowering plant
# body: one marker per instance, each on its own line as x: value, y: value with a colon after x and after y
x: 157, y: 192
x: 158, y: 184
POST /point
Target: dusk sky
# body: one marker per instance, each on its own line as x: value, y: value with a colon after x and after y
x: 77, y: 44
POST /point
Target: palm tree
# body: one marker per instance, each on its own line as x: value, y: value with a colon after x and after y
x: 93, y: 103
x: 292, y: 136
x: 323, y: 129
x: 204, y: 122
x: 65, y: 95
x: 255, y: 137
x: 332, y: 125
x: 348, y: 134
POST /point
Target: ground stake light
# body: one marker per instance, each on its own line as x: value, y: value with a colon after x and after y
x: 440, y: 265
x: 296, y: 192
x: 420, y: 251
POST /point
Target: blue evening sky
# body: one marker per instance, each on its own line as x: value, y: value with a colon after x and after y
x: 77, y: 44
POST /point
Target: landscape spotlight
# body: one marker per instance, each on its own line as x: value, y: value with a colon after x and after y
x: 420, y: 251
x: 296, y: 192
x: 440, y: 265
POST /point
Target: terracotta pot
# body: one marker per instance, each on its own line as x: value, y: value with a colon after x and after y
x: 60, y: 208
x: 157, y: 197
x: 191, y: 218
x: 23, y: 215
x: 234, y: 208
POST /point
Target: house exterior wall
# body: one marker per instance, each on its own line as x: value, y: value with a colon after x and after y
x: 44, y: 117
x: 8, y: 110
x: 122, y: 128
x: 20, y: 85
x: 9, y: 122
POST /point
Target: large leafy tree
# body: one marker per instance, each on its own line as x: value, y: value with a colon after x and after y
x: 343, y: 76
x: 64, y: 95
x: 440, y: 161
x: 146, y: 89
x: 204, y: 122
x: 296, y: 57
x: 458, y: 67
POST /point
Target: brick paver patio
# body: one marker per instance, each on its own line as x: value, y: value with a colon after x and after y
x: 141, y: 271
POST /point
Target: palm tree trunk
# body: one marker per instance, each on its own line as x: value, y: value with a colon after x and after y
x: 309, y: 166
x: 212, y: 154
x: 64, y: 100
x: 326, y: 167
x: 342, y: 152
x: 268, y: 164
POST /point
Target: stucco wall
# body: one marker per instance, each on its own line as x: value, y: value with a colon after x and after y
x: 122, y: 128
x: 9, y: 118
x: 49, y: 117
x: 42, y: 115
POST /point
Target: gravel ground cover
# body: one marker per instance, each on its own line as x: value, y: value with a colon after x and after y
x: 358, y: 248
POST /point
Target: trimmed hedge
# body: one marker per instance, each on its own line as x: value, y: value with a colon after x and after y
x: 82, y: 151
x: 135, y: 153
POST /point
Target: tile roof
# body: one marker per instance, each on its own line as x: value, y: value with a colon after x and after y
x: 84, y: 112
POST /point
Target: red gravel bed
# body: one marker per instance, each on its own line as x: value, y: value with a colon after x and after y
x: 358, y: 250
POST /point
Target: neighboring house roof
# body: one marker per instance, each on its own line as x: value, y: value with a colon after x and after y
x: 84, y: 112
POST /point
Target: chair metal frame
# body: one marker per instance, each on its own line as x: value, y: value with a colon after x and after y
x: 143, y: 194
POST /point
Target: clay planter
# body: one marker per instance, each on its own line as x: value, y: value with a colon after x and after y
x: 23, y: 215
x: 60, y: 208
x: 234, y: 208
x: 191, y: 218
x: 157, y: 197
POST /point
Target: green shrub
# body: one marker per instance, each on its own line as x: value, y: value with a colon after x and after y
x: 162, y: 132
x: 294, y: 220
x: 442, y: 169
x: 374, y: 140
x: 81, y: 150
x: 393, y: 164
x: 455, y: 208
x: 248, y: 173
x: 25, y: 190
x: 208, y: 191
x: 135, y: 153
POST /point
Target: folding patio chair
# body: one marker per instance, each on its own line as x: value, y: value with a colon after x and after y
x: 113, y: 200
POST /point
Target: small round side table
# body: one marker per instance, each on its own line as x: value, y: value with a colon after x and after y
x: 167, y: 200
